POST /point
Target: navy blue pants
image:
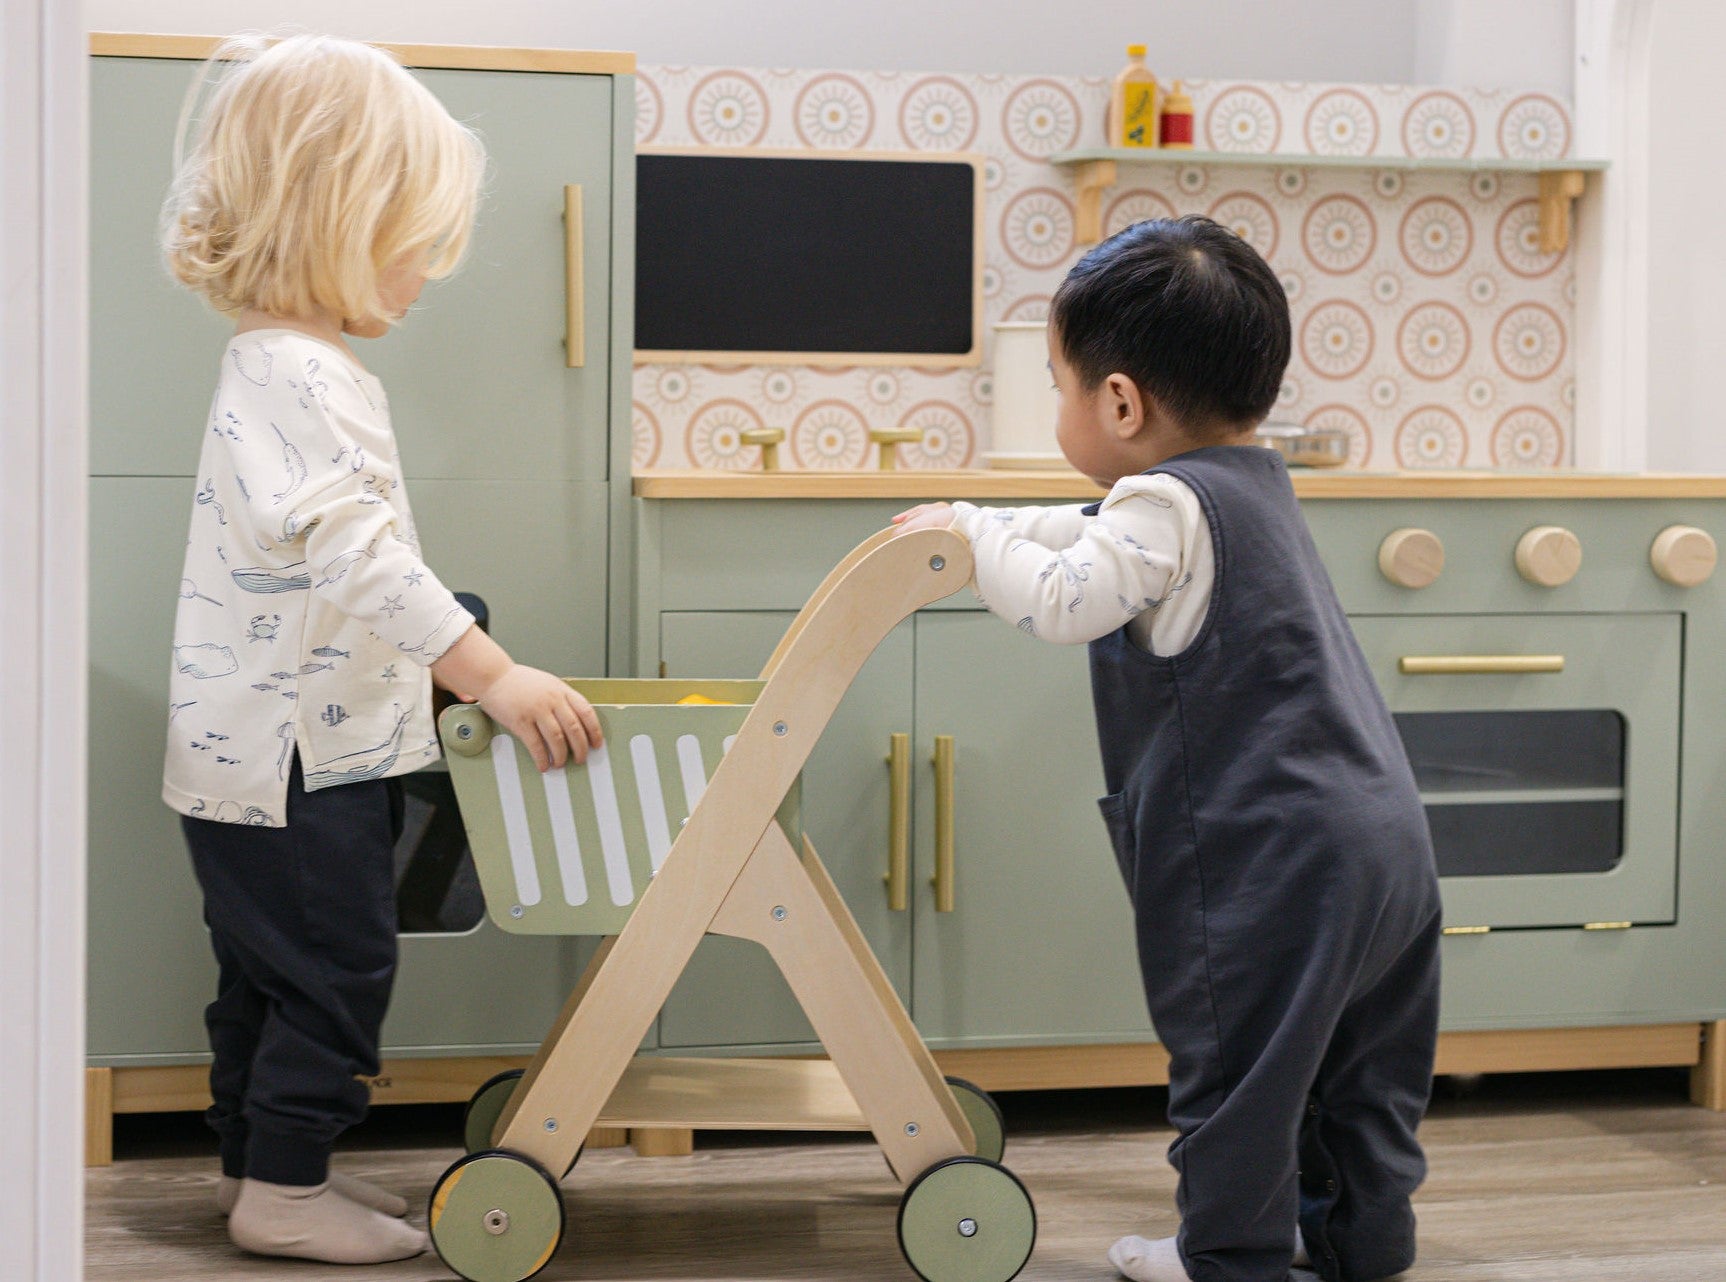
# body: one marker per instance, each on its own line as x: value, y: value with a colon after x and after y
x: 1301, y: 1046
x: 303, y: 923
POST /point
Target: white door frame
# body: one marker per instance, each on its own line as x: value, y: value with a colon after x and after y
x: 1612, y: 234
x: 43, y: 466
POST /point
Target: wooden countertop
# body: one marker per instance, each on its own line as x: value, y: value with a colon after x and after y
x: 1003, y: 484
x: 125, y: 44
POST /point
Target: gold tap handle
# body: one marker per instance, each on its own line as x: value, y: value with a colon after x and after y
x: 942, y: 881
x: 575, y: 327
x: 1452, y: 665
x: 898, y: 876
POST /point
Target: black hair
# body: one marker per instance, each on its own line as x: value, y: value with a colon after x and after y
x: 1189, y: 311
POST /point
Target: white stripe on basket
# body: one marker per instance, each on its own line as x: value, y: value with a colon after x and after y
x: 611, y: 841
x: 564, y: 836
x: 650, y: 794
x: 693, y: 769
x: 515, y: 829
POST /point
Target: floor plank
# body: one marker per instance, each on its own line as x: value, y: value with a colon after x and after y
x: 1581, y: 1177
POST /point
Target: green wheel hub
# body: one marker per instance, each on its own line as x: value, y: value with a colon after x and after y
x: 985, y: 1117
x: 485, y: 1108
x: 496, y: 1217
x: 967, y: 1220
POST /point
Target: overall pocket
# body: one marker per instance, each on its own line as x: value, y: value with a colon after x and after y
x: 1118, y: 818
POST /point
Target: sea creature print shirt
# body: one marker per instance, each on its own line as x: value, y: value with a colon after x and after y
x: 1144, y: 561
x: 307, y: 620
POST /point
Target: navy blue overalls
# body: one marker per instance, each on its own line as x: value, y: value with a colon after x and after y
x: 1286, y: 899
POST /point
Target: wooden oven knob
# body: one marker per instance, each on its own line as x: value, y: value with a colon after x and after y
x: 1411, y: 558
x: 1548, y: 556
x: 1684, y: 555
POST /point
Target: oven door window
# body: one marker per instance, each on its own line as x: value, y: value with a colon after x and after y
x: 1552, y: 794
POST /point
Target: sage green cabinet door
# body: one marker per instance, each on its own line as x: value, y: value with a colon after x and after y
x: 1603, y: 800
x: 732, y: 994
x: 155, y: 349
x: 476, y: 374
x: 1040, y: 945
x: 150, y: 971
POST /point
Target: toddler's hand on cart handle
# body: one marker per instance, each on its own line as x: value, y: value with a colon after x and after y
x: 552, y: 721
x: 925, y: 516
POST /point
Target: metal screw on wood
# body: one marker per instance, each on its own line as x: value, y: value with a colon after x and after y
x: 464, y: 732
x: 967, y: 1228
x: 780, y: 728
x: 496, y: 1222
x: 910, y: 1128
x: 517, y: 911
x: 937, y: 563
x: 779, y: 913
x: 550, y: 1124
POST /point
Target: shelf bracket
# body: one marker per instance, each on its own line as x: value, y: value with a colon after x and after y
x: 1558, y: 188
x: 1090, y: 179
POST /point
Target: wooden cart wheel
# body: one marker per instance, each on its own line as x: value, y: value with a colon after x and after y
x: 967, y: 1220
x: 496, y: 1217
x: 486, y: 1106
x: 984, y: 1114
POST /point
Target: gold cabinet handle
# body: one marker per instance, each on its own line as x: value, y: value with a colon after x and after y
x: 898, y: 876
x: 1454, y: 665
x: 942, y: 881
x: 575, y: 327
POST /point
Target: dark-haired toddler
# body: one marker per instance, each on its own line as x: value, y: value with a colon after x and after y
x: 1259, y: 799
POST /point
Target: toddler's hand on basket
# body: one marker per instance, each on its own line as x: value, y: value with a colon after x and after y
x: 553, y: 722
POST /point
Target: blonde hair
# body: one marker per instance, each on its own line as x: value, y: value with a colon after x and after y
x: 316, y: 164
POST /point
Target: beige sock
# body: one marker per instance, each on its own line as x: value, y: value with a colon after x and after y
x: 1147, y: 1260
x: 349, y: 1186
x: 317, y: 1223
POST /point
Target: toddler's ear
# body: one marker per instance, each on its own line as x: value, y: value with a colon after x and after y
x: 1123, y: 406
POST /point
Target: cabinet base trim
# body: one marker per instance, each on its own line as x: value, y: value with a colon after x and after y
x: 1701, y: 1047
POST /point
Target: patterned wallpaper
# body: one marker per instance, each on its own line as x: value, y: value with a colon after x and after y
x: 1427, y: 322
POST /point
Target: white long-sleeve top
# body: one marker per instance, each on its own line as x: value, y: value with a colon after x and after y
x: 307, y: 619
x: 1144, y: 561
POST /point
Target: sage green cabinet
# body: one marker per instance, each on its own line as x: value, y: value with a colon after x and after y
x: 1033, y: 870
x: 513, y: 458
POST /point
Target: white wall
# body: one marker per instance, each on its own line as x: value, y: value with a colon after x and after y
x: 1487, y: 43
x: 1687, y: 253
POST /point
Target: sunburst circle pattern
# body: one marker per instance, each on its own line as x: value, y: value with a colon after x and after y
x: 949, y: 436
x: 835, y: 112
x: 1518, y: 241
x: 1341, y: 122
x: 1431, y: 437
x: 1346, y: 419
x: 728, y: 109
x: 1040, y: 117
x: 649, y: 109
x: 1529, y: 341
x: 829, y: 435
x: 1439, y: 125
x: 1134, y: 207
x: 1527, y: 436
x: 1533, y: 127
x: 645, y: 439
x: 1436, y: 236
x: 1037, y: 227
x: 714, y: 437
x: 1243, y: 118
x: 938, y: 114
x: 1337, y: 339
x: 1339, y: 234
x: 1433, y: 340
x: 1251, y: 218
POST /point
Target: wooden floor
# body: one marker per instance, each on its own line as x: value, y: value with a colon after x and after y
x: 1582, y: 1177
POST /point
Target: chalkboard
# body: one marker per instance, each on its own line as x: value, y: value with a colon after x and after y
x: 832, y: 258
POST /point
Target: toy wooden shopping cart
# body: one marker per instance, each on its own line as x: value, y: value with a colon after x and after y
x: 684, y: 824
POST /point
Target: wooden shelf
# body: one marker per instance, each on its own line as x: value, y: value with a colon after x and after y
x: 1561, y: 180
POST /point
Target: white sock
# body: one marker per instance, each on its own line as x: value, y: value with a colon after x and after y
x: 1145, y: 1260
x: 349, y: 1186
x: 1301, y: 1259
x: 314, y: 1222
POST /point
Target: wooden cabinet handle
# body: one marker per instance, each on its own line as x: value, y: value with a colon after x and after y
x: 1453, y: 665
x: 1684, y: 556
x: 575, y: 314
x: 942, y: 881
x: 898, y: 876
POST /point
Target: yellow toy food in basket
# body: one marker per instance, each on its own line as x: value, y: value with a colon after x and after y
x: 687, y: 823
